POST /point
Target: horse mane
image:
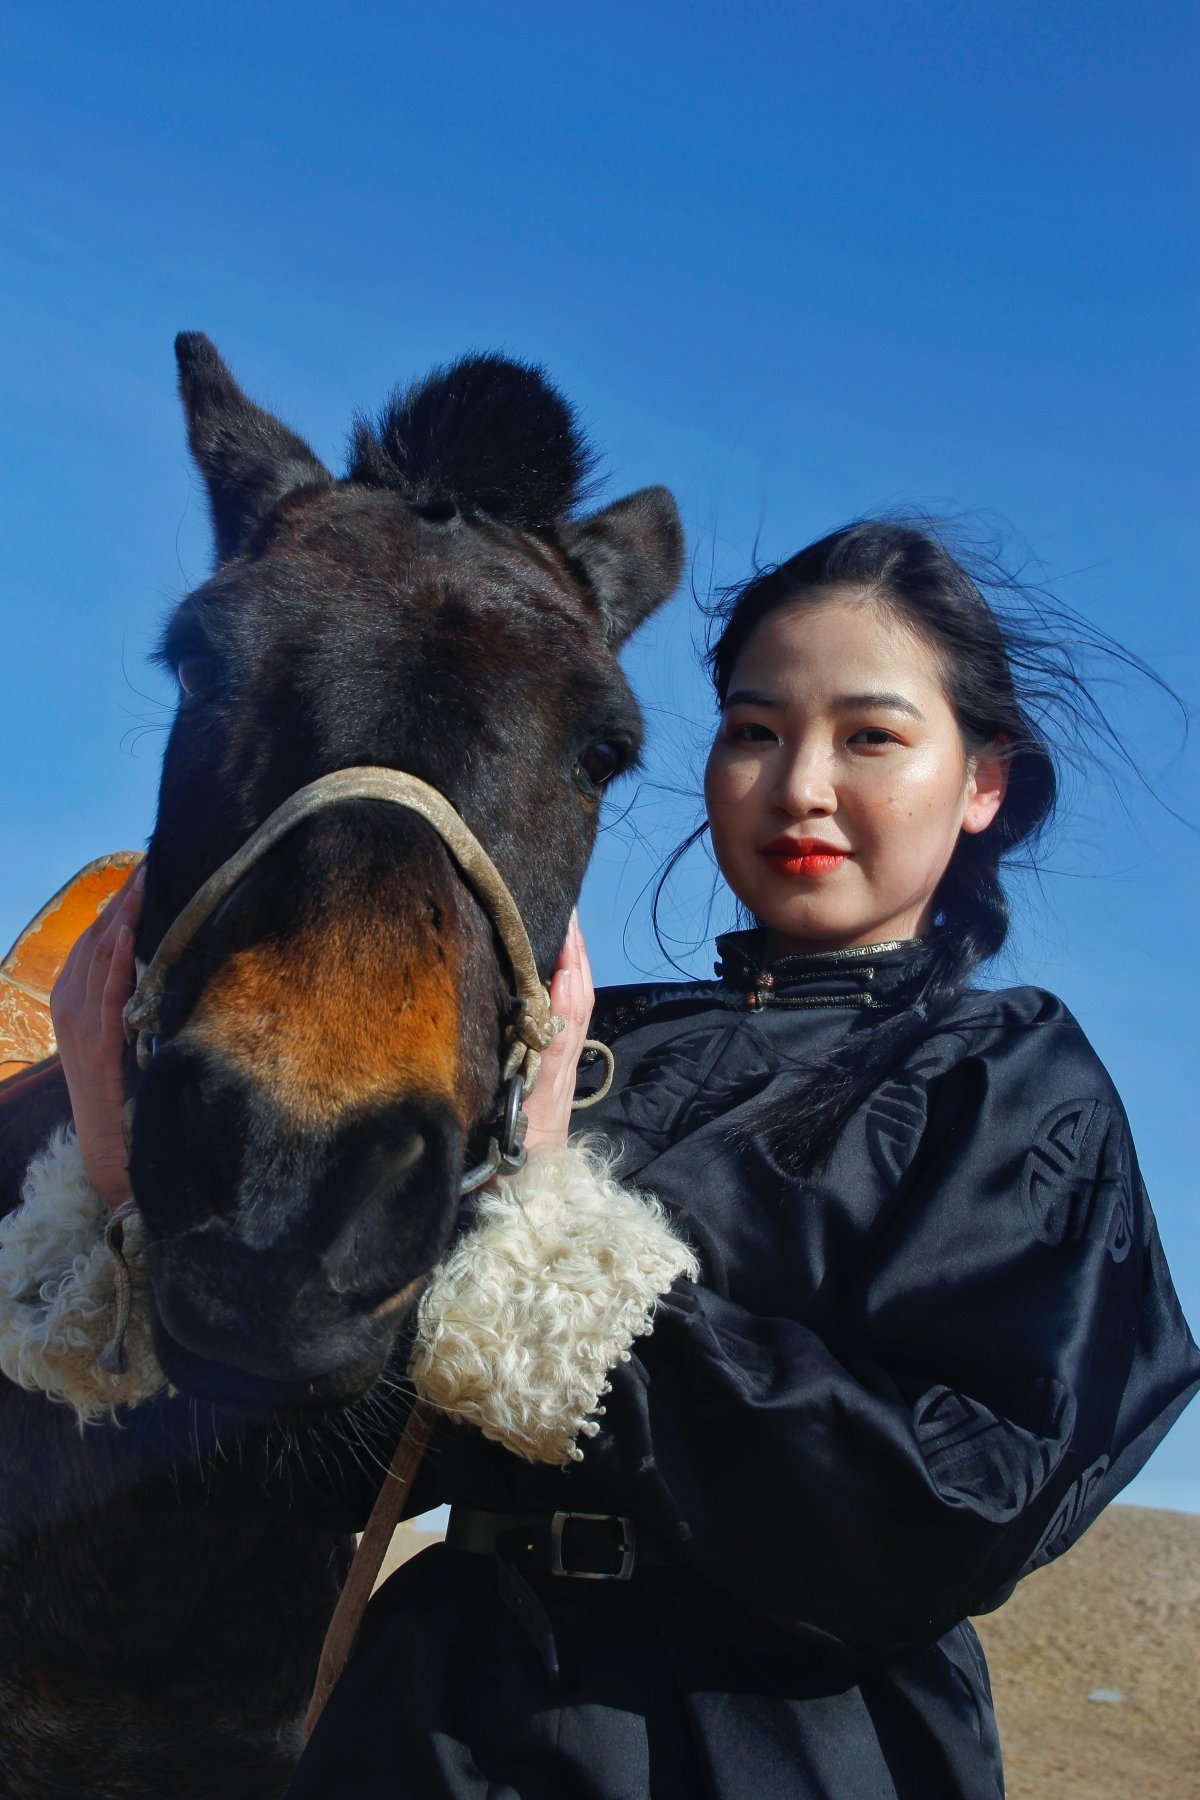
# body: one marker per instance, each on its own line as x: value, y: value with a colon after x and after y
x: 485, y: 434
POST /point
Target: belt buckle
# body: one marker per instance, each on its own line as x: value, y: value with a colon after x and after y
x: 628, y: 1547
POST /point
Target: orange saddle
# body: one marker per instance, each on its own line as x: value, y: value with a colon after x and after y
x: 29, y: 970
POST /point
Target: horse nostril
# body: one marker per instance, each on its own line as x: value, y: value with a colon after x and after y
x: 388, y: 1200
x: 410, y: 1153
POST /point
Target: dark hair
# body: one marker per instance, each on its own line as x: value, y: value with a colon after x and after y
x: 1007, y: 669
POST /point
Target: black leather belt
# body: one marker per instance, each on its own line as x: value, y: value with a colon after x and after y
x: 581, y: 1546
x: 531, y: 1546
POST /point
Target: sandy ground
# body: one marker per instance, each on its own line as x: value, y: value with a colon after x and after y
x: 1119, y: 1615
x: 1095, y: 1663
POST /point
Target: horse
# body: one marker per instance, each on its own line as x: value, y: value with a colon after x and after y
x: 328, y: 1057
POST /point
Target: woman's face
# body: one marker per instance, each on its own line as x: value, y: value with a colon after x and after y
x: 838, y: 783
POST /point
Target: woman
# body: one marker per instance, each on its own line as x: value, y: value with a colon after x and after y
x: 932, y: 1332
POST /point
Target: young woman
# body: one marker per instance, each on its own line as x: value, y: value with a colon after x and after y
x: 931, y: 1334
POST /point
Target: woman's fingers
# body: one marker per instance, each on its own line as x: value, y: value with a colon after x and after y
x: 571, y: 995
x: 85, y: 972
x: 585, y: 970
x: 97, y: 969
x: 548, y: 1108
x: 123, y: 909
x: 86, y: 1006
x: 120, y: 980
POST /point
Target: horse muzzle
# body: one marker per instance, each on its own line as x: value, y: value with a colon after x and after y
x: 280, y: 1257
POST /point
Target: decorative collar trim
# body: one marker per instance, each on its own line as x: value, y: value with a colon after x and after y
x: 871, y: 977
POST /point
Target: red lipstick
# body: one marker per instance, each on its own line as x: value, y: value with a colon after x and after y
x: 803, y: 856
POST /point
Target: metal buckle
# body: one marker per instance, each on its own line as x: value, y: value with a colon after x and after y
x: 628, y: 1547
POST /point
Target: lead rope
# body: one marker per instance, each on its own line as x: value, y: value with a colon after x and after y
x: 112, y: 1358
x: 368, y: 1560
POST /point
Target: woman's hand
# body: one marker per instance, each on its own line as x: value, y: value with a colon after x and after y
x: 572, y: 997
x: 86, y: 1006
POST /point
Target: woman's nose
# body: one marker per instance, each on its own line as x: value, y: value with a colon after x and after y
x: 805, y: 785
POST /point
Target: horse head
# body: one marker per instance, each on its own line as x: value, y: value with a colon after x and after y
x: 330, y: 1042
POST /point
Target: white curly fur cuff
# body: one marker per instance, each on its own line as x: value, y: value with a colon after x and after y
x: 58, y: 1291
x: 518, y: 1328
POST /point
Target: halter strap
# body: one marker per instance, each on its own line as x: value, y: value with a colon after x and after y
x: 528, y: 1034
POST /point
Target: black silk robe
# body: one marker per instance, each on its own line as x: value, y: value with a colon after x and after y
x: 896, y: 1389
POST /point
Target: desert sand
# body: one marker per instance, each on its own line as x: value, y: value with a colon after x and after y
x: 1095, y: 1663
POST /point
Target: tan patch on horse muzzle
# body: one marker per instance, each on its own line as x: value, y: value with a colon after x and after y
x: 330, y: 1022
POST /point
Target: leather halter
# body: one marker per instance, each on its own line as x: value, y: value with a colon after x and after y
x: 525, y: 1037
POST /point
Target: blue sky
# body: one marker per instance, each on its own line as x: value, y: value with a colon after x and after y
x: 798, y: 262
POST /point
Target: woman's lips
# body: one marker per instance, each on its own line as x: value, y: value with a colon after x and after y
x: 803, y: 856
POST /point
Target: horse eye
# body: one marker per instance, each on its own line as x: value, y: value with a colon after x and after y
x: 195, y: 673
x: 600, y: 763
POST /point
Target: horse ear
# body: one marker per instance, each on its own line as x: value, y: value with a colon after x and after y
x: 249, y: 461
x: 631, y: 554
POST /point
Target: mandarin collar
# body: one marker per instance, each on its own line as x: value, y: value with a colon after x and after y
x: 869, y: 977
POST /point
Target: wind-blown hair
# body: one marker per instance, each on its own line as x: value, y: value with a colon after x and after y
x: 1010, y: 673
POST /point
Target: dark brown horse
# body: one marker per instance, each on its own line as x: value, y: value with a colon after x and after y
x: 330, y: 1045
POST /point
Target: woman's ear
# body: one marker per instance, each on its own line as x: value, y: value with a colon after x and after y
x: 987, y: 780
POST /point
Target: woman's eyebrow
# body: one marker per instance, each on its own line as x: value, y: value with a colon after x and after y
x: 894, y: 702
x: 753, y: 697
x: 842, y: 703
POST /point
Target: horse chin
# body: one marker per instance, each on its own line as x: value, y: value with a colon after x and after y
x: 242, y: 1391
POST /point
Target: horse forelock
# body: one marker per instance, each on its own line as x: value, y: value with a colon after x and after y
x: 485, y: 433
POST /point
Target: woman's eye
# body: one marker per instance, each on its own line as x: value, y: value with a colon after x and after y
x: 195, y: 673
x: 873, y: 736
x: 599, y: 763
x: 751, y: 734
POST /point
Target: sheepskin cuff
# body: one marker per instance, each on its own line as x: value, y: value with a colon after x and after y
x: 58, y: 1291
x: 518, y: 1328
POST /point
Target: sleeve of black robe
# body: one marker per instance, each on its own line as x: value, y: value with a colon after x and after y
x: 1008, y: 1353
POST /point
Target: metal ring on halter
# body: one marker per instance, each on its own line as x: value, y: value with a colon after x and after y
x: 512, y: 1150
x: 482, y: 1173
x: 508, y: 1152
